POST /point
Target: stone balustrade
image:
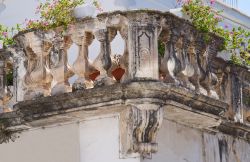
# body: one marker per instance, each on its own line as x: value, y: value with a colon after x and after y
x: 189, y: 60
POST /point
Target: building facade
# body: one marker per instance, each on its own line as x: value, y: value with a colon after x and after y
x: 127, y: 104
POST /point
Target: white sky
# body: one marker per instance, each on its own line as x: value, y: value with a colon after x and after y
x: 18, y: 10
x: 244, y: 5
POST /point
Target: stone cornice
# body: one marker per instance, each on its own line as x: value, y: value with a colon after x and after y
x: 118, y: 94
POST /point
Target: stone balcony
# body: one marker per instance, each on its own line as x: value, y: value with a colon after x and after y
x: 140, y: 81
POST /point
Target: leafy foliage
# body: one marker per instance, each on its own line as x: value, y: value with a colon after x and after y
x: 54, y: 13
x: 205, y: 19
x: 6, y: 35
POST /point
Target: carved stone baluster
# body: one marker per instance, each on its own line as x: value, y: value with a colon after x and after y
x: 103, y: 61
x: 60, y: 69
x: 38, y: 78
x: 183, y: 71
x: 194, y: 79
x: 174, y: 65
x: 124, y: 59
x: 207, y: 79
x: 165, y: 39
x: 213, y: 49
x: 221, y: 85
x: 81, y: 66
x: 196, y: 50
x: 187, y: 67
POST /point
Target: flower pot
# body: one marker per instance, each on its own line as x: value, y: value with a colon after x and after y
x: 85, y: 10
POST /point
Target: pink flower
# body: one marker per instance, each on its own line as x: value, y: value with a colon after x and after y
x: 218, y: 18
x: 226, y: 26
x: 45, y: 23
x: 5, y: 34
x: 212, y: 2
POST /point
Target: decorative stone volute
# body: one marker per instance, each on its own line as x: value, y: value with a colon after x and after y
x: 139, y: 127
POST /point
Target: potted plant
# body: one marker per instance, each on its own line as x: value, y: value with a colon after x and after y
x: 54, y: 13
x: 87, y: 9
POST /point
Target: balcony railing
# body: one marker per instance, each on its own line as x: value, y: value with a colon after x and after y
x: 189, y: 61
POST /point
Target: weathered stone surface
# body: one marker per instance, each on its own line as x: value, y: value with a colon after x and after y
x: 187, y: 85
x: 121, y: 93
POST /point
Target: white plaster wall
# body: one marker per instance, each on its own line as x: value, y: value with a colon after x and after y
x: 94, y: 140
x: 222, y: 148
x: 177, y: 144
x: 55, y: 144
x: 99, y: 140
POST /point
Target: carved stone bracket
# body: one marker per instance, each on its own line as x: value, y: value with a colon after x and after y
x: 139, y: 127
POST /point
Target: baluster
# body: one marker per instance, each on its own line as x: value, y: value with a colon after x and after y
x: 38, y: 77
x: 103, y: 62
x: 182, y: 72
x: 164, y: 61
x: 60, y: 69
x: 213, y: 49
x: 194, y: 79
x: 6, y: 94
x: 196, y: 50
x: 174, y: 65
x: 188, y: 68
x: 124, y: 59
x: 81, y: 66
x: 222, y: 83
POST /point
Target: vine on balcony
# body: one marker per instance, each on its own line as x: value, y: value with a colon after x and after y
x: 6, y: 35
x: 205, y: 19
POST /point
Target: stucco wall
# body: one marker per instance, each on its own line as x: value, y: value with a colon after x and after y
x: 52, y: 144
x: 178, y: 143
x: 97, y: 139
x: 92, y: 140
